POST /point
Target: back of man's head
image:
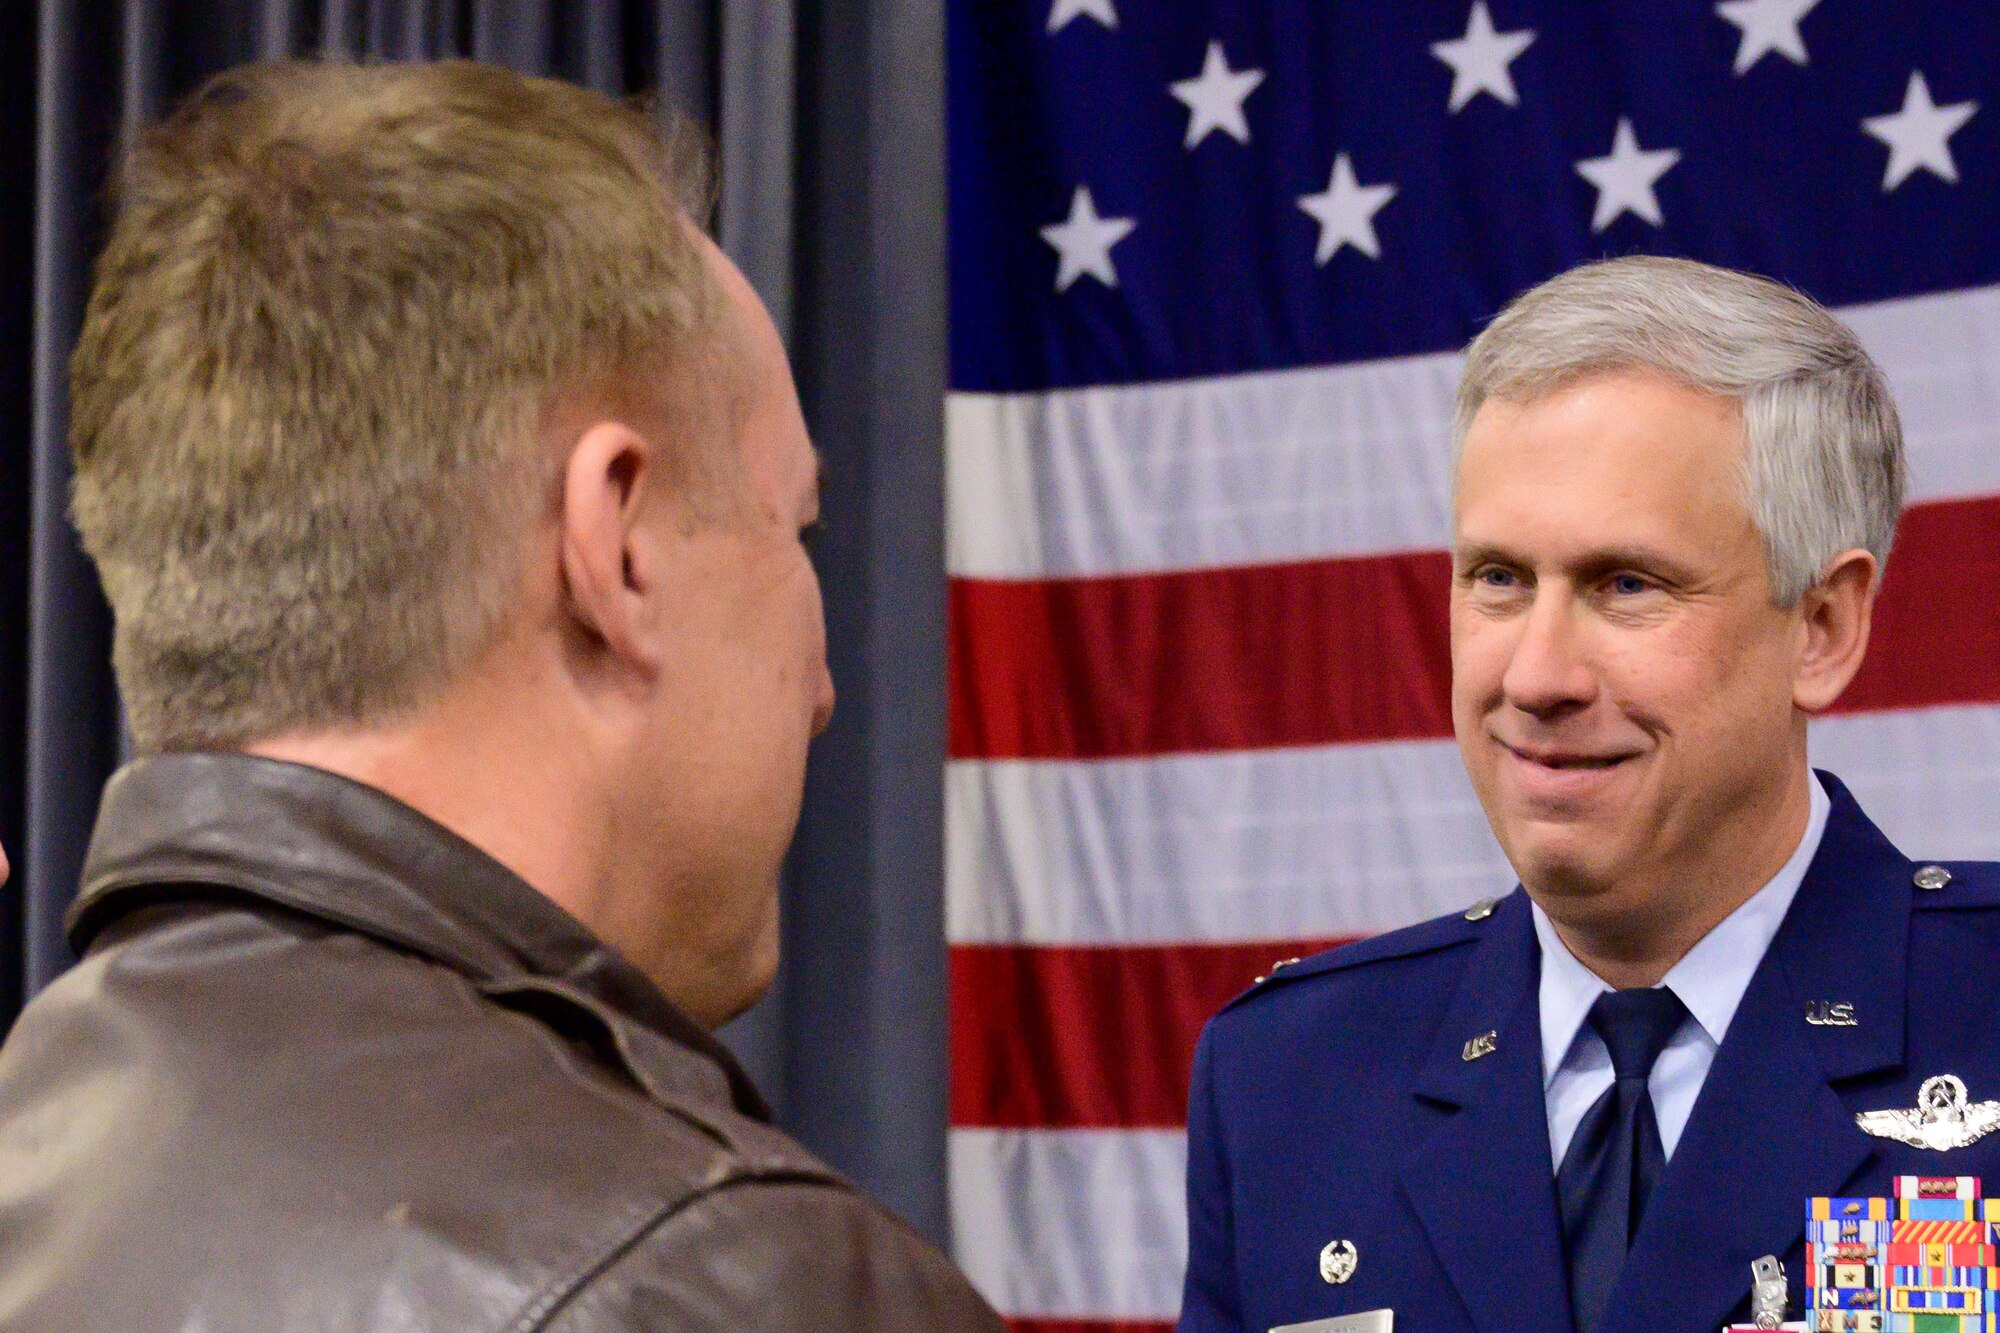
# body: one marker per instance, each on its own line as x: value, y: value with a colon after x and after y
x: 336, y: 308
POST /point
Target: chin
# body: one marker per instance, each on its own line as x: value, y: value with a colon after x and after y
x: 762, y: 971
x: 751, y: 983
x: 759, y: 954
x: 1568, y: 862
x: 720, y: 962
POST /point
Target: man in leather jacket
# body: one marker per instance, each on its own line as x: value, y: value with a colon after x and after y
x: 449, y: 490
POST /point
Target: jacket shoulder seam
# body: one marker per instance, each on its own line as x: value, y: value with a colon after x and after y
x: 1414, y: 942
x: 553, y: 1299
x: 1974, y: 886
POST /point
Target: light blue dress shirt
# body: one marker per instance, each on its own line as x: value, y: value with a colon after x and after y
x: 1710, y: 980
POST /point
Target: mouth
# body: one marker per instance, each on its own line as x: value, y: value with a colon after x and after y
x: 1566, y: 761
x: 1558, y: 778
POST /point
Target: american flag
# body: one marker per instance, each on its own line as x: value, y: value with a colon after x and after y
x: 1212, y: 264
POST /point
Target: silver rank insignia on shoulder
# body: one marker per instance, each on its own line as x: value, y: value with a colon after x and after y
x: 1942, y: 1120
x: 1337, y: 1261
x: 1276, y: 968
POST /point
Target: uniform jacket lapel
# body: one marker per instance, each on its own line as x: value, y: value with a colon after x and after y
x: 1768, y: 1130
x: 1481, y: 1182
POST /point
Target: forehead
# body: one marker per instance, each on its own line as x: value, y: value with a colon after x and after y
x: 776, y: 447
x: 1608, y: 451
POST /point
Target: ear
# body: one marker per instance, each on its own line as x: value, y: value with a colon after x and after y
x: 1836, y: 613
x: 607, y: 487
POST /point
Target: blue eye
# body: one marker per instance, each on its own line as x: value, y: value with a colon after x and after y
x: 1494, y: 577
x: 1629, y: 585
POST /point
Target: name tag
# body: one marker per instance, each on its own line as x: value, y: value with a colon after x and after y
x: 1368, y: 1321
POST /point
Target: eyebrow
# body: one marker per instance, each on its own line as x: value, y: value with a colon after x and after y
x: 1480, y: 553
x: 1599, y: 561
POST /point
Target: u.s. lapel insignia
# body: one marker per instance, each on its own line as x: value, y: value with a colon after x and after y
x: 1484, y: 1044
x: 1942, y: 1120
x: 1337, y: 1261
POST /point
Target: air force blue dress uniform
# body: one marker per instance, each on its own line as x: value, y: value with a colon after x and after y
x: 1390, y: 1095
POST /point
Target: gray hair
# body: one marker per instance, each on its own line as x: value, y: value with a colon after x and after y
x: 1823, y: 467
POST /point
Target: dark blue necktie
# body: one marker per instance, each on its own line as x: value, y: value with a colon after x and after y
x: 1614, y: 1157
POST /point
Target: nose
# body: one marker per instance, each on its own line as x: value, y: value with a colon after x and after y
x: 1549, y: 671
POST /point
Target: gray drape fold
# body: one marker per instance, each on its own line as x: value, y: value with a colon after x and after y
x: 829, y: 127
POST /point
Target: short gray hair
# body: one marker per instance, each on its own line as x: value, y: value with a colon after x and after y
x: 1823, y: 467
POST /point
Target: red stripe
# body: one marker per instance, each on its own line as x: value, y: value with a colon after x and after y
x: 1333, y: 651
x: 1089, y: 1038
x: 1208, y: 659
x: 1087, y: 1326
x: 1936, y: 638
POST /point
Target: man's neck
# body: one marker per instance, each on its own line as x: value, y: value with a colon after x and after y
x: 1638, y: 946
x: 524, y: 803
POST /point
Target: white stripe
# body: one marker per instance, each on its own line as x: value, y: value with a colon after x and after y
x: 1260, y: 844
x: 1075, y: 1223
x: 1929, y: 777
x: 1343, y: 460
x: 1282, y: 465
x: 1343, y: 840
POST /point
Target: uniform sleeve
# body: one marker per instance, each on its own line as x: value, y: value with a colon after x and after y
x: 765, y: 1256
x: 1209, y: 1298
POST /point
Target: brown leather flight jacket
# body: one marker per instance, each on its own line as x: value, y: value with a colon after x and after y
x: 326, y: 1066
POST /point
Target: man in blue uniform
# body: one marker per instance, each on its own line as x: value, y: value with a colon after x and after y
x: 1594, y: 1103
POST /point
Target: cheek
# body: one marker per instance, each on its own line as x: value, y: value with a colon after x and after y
x: 1713, y: 675
x: 782, y: 611
x: 1753, y: 693
x: 1661, y: 675
x: 1479, y: 653
x: 797, y: 638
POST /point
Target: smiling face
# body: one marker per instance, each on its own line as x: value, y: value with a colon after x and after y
x: 1623, y: 688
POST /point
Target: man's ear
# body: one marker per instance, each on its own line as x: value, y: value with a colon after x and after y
x: 1837, y: 612
x: 606, y: 570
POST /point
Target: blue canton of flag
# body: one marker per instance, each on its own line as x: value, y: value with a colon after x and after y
x: 1144, y: 191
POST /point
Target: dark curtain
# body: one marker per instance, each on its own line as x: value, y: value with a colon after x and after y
x: 828, y: 120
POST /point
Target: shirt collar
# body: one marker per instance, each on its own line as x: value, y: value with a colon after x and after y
x: 1709, y: 979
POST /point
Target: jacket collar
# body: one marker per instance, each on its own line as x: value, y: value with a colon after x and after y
x: 1767, y: 1132
x: 1482, y: 1182
x: 180, y: 825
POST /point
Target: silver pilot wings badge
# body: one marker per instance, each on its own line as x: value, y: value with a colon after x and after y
x: 1943, y: 1118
